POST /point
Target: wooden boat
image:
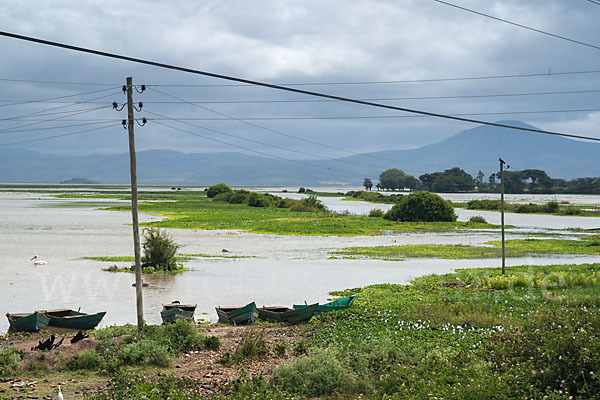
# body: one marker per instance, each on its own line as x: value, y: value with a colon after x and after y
x: 335, y: 305
x: 237, y: 315
x: 28, y: 322
x: 174, y: 311
x: 285, y: 314
x: 71, y: 319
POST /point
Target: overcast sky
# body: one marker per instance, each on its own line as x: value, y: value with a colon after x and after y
x: 292, y: 42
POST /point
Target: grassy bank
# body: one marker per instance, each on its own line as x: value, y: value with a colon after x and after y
x: 513, y: 248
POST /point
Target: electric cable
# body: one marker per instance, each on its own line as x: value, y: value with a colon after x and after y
x: 519, y: 25
x: 262, y: 143
x: 59, y: 127
x: 286, y: 134
x: 351, y: 117
x: 59, y: 107
x: 446, y: 97
x: 52, y: 119
x: 285, y: 88
x: 257, y: 151
x: 424, y: 80
x: 17, y: 102
x: 55, y: 136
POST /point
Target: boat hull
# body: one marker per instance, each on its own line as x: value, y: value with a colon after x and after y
x: 27, y: 322
x: 171, y: 314
x: 71, y: 319
x: 284, y: 314
x: 237, y: 315
x: 340, y: 304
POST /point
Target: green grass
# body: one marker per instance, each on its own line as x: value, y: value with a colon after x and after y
x: 193, y: 210
x: 513, y: 248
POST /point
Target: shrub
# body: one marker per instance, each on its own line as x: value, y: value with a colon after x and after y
x: 159, y: 250
x: 212, y: 342
x: 145, y: 352
x: 88, y: 359
x: 478, y: 219
x: 225, y: 196
x: 309, y: 204
x: 376, y: 213
x: 319, y: 374
x: 176, y: 338
x: 9, y: 360
x: 217, y: 189
x: 239, y: 197
x: 552, y: 207
x: 421, y: 207
x: 259, y: 200
x: 253, y: 345
x: 483, y: 204
x: 301, y: 190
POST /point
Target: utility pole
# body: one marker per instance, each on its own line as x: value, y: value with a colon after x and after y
x: 502, y: 210
x: 134, y: 207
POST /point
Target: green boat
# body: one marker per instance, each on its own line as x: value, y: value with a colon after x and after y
x: 340, y: 304
x: 174, y: 311
x: 237, y: 315
x: 71, y: 319
x: 285, y: 314
x: 28, y: 322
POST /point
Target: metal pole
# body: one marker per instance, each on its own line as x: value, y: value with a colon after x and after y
x: 134, y: 207
x: 502, y: 211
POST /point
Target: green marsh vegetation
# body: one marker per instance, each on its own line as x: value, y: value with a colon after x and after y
x: 551, y: 207
x: 229, y: 211
x: 589, y: 245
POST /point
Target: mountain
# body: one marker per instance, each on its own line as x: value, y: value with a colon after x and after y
x: 473, y: 150
x: 479, y: 149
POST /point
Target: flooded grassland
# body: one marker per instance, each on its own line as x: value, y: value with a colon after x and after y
x: 292, y: 263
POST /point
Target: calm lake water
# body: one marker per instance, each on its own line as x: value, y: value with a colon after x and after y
x: 271, y: 269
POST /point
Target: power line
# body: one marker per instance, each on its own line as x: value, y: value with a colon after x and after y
x: 351, y: 117
x: 41, y: 112
x: 46, y: 100
x: 519, y: 25
x: 262, y: 143
x: 446, y: 97
x: 257, y: 151
x: 342, y: 117
x: 51, y: 119
x: 425, y: 80
x: 54, y: 136
x: 58, y: 82
x: 594, y: 2
x: 285, y: 134
x: 283, y: 88
x: 58, y: 127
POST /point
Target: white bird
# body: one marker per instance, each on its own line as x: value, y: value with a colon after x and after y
x: 38, y: 262
x: 60, y: 395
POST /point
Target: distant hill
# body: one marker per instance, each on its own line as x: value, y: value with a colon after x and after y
x: 473, y: 150
x: 479, y: 149
x: 79, y: 181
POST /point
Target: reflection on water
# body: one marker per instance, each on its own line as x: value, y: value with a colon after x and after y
x: 274, y: 270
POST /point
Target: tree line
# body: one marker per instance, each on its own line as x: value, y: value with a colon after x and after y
x: 457, y: 180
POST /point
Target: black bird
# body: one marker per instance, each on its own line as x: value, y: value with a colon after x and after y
x: 80, y: 336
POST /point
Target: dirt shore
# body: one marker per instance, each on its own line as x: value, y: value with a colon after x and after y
x: 47, y: 371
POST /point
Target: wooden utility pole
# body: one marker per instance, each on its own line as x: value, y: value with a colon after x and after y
x: 134, y: 207
x: 502, y: 210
